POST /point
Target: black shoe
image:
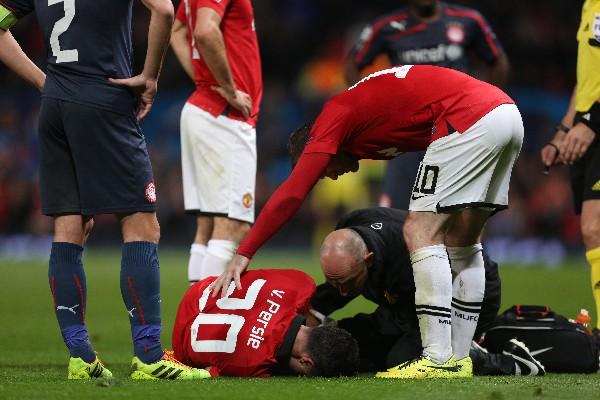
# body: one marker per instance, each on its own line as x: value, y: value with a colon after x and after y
x: 525, y: 364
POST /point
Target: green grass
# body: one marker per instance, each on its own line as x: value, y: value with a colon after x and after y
x: 33, y: 358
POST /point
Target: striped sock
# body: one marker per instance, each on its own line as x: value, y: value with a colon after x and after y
x: 467, y: 295
x: 433, y: 294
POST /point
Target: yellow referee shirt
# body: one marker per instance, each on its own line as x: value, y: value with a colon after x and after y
x: 588, y: 57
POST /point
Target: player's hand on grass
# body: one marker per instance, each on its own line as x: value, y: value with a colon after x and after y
x: 576, y: 143
x: 232, y: 273
x: 237, y: 99
x: 144, y: 89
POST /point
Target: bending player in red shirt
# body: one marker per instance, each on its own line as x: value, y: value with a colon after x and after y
x: 261, y: 331
x: 472, y: 133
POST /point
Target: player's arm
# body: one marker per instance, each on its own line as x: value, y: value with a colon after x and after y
x: 327, y: 299
x: 16, y: 60
x: 551, y: 150
x: 369, y: 45
x: 145, y: 84
x: 499, y: 70
x: 488, y: 48
x: 280, y: 208
x: 582, y: 134
x: 180, y: 46
x: 211, y: 45
x: 10, y: 52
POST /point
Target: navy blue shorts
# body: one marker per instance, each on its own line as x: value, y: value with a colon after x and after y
x: 92, y: 161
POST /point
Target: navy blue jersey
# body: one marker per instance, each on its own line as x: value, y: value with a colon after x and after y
x: 88, y: 41
x: 445, y: 42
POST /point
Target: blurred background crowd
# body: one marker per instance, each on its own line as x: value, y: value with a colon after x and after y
x: 304, y: 44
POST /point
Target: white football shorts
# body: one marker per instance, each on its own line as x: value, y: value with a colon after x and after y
x: 470, y: 169
x: 218, y: 160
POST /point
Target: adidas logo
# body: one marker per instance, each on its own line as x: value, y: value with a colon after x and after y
x: 596, y: 186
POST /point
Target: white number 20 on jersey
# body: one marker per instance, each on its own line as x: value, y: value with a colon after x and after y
x: 60, y: 27
x: 235, y: 322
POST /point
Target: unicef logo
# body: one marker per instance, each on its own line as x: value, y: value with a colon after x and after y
x: 454, y: 52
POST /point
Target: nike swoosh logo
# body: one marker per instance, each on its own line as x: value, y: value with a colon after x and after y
x: 534, y: 369
x: 540, y: 351
x: 456, y: 368
x: 416, y: 197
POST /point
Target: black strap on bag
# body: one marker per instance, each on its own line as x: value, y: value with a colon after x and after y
x: 560, y: 345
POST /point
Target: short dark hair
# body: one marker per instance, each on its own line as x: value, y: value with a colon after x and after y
x: 297, y: 142
x: 334, y: 352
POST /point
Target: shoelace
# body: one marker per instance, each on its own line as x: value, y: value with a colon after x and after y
x: 171, y: 357
x: 406, y: 364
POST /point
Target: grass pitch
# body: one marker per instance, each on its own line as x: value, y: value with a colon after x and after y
x: 33, y: 358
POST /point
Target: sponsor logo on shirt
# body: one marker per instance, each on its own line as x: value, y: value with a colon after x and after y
x: 440, y: 53
x: 596, y: 27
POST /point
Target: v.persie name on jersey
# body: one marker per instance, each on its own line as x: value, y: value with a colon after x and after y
x: 262, y: 322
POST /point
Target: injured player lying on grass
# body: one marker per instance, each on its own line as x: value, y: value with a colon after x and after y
x: 260, y: 330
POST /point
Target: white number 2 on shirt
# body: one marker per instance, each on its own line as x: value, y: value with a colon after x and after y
x: 60, y: 27
x: 235, y: 322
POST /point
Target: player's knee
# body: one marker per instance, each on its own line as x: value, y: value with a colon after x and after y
x: 88, y: 225
x: 590, y: 231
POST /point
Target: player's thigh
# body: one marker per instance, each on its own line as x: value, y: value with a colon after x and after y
x: 219, y: 164
x: 59, y: 187
x: 113, y: 168
x: 470, y: 169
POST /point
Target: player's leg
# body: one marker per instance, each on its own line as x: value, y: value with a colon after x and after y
x: 588, y: 204
x: 192, y: 124
x: 590, y: 228
x: 463, y: 241
x: 60, y: 199
x: 227, y: 234
x: 219, y: 173
x: 424, y: 234
x: 204, y: 230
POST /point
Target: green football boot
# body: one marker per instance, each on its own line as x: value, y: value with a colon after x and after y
x: 166, y: 368
x: 79, y: 369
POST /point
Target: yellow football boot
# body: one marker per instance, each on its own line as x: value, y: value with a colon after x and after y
x: 424, y: 368
x: 166, y: 368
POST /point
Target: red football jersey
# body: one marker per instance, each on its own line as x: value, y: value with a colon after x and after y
x: 241, y: 334
x: 241, y: 44
x: 401, y: 109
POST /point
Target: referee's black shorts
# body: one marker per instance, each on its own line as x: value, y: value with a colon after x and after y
x: 92, y: 161
x: 585, y: 176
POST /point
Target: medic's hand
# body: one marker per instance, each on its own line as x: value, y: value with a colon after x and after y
x: 232, y: 273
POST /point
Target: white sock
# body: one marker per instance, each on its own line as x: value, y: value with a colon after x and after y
x: 467, y: 295
x: 218, y: 254
x: 433, y: 294
x: 197, y: 253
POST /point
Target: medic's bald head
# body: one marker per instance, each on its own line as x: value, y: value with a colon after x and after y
x: 341, y: 253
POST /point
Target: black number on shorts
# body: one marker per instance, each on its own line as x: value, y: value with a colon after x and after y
x: 427, y: 174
